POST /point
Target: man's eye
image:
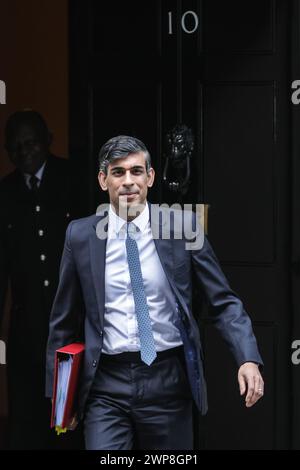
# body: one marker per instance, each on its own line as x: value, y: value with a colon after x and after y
x: 117, y: 173
x: 137, y: 171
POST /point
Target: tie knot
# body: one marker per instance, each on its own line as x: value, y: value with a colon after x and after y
x: 33, y: 181
x: 132, y: 229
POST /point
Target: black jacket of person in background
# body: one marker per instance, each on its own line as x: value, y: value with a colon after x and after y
x: 33, y: 220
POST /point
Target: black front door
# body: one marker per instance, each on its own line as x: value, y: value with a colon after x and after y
x: 140, y: 68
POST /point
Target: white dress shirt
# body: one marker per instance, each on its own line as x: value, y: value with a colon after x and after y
x: 120, y: 322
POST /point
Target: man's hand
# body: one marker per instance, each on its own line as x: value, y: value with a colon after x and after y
x: 250, y: 380
x: 73, y: 423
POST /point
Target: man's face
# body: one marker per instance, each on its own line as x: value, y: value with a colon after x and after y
x: 127, y: 181
x: 27, y: 149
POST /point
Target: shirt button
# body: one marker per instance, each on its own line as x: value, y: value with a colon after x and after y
x: 94, y: 363
x: 43, y: 257
x: 101, y: 333
x: 41, y: 233
x: 37, y: 208
x: 46, y: 283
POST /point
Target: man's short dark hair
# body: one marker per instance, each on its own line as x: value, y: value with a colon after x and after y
x: 120, y: 147
x: 26, y: 117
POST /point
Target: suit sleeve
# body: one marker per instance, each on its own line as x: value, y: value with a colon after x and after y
x: 229, y: 314
x: 67, y: 310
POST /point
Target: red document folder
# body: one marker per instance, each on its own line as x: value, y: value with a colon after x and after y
x: 76, y: 351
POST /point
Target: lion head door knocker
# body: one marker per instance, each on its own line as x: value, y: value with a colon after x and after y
x: 179, y: 147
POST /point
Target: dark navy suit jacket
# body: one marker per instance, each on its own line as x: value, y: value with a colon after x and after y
x: 78, y: 309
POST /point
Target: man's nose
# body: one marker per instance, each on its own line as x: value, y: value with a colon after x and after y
x: 127, y: 178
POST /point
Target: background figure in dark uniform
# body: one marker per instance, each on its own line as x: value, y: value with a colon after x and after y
x: 35, y: 209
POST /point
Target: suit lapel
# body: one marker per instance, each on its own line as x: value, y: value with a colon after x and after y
x: 21, y: 190
x: 97, y: 260
x: 166, y: 250
x: 163, y: 246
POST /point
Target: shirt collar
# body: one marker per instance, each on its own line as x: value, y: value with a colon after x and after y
x: 38, y: 174
x: 116, y: 223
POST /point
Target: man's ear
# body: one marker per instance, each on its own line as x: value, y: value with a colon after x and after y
x: 151, y: 176
x: 102, y: 180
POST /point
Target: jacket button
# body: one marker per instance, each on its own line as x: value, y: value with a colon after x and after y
x: 94, y: 363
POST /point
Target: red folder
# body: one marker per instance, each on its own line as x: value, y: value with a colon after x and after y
x: 76, y: 351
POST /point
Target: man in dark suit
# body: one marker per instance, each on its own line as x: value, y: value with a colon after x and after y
x: 126, y: 278
x: 35, y: 209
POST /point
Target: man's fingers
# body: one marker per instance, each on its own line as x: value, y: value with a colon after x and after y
x: 250, y: 379
x: 250, y: 391
x: 242, y: 384
x: 73, y: 424
x: 258, y: 391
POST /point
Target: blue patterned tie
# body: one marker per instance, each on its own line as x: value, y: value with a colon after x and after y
x: 148, y: 353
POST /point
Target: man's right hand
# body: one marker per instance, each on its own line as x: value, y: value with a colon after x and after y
x: 73, y: 424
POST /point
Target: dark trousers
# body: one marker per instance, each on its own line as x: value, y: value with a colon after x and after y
x: 132, y: 405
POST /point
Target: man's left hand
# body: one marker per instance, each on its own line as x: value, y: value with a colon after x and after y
x: 250, y: 380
